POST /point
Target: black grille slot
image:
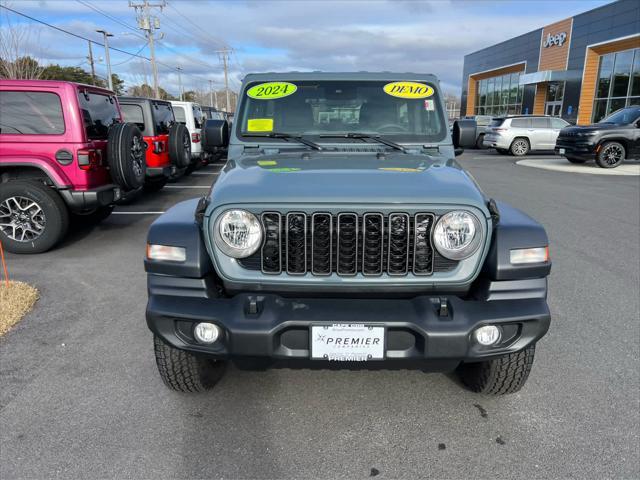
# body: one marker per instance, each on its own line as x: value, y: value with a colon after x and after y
x: 398, y: 262
x: 348, y: 244
x: 296, y: 246
x: 321, y: 243
x: 347, y: 263
x: 271, y: 256
x: 372, y: 243
x: 422, y: 249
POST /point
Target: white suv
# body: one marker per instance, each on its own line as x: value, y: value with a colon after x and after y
x: 519, y: 135
x: 191, y: 115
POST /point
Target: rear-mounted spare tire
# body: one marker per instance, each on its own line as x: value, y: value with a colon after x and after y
x: 126, y: 156
x: 179, y: 145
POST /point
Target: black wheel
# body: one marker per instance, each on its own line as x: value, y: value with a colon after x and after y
x: 575, y: 159
x: 33, y: 217
x: 126, y: 155
x: 479, y: 144
x: 191, y: 168
x: 184, y: 372
x: 610, y: 155
x: 502, y: 151
x: 500, y: 376
x: 179, y: 145
x: 519, y: 147
x: 91, y: 217
x: 155, y: 184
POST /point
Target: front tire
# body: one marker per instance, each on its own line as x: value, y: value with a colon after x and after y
x: 33, y: 217
x: 520, y: 147
x: 499, y: 376
x: 185, y: 372
x: 611, y: 155
x: 480, y: 142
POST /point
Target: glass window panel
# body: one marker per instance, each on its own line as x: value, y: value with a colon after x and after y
x: 551, y: 91
x: 633, y: 102
x: 635, y: 75
x: 604, y: 75
x: 621, y: 73
x: 599, y: 110
x: 490, y: 92
x: 30, y: 113
x: 497, y: 90
x: 505, y: 89
x: 558, y: 123
x: 520, y: 90
x: 559, y: 91
x: 513, y: 90
x: 540, y: 122
x: 616, y: 104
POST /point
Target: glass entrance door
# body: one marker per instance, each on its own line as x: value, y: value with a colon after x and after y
x: 553, y: 109
x: 555, y: 94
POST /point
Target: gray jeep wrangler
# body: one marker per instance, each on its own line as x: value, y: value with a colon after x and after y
x: 342, y: 233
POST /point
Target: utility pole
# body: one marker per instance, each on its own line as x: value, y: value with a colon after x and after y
x: 106, y: 36
x: 149, y: 23
x: 93, y: 68
x: 211, y: 93
x: 224, y: 56
x: 179, y: 69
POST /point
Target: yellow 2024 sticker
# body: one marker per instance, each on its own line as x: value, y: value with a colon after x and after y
x: 271, y: 90
x: 408, y: 90
x: 260, y: 125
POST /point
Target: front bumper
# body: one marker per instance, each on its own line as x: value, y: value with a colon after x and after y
x: 83, y: 200
x: 586, y: 150
x: 274, y: 331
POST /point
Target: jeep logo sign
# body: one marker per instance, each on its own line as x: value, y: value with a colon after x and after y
x: 557, y: 39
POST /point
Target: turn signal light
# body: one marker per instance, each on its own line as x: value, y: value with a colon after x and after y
x: 195, y: 137
x: 529, y: 255
x: 166, y: 253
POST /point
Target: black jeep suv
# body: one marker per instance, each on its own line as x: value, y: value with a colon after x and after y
x: 609, y: 142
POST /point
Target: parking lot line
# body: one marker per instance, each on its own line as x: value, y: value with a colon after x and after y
x: 205, y: 173
x: 188, y: 186
x: 137, y: 213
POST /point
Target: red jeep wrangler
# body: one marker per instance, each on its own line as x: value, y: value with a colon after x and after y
x: 168, y: 142
x: 64, y: 154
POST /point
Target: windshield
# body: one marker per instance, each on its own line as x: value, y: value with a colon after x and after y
x: 623, y: 117
x: 404, y: 111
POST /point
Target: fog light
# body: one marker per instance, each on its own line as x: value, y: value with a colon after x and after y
x: 206, y: 333
x: 487, y: 335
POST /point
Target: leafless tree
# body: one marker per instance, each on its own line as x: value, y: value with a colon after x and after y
x: 16, y: 61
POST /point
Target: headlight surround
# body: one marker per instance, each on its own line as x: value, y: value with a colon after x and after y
x: 457, y: 234
x: 238, y: 233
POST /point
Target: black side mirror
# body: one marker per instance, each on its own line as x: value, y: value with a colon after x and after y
x: 215, y: 134
x: 464, y: 134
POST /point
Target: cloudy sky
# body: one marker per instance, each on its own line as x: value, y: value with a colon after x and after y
x: 281, y: 35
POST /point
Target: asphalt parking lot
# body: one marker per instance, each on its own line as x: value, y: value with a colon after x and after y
x: 81, y: 397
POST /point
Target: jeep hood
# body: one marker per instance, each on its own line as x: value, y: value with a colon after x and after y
x: 328, y: 177
x: 599, y: 127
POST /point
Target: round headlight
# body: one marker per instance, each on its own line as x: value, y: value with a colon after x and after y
x: 238, y: 233
x: 457, y: 235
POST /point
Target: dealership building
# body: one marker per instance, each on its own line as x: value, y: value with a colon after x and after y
x: 580, y: 68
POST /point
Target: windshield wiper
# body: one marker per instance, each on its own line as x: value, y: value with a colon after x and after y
x: 363, y: 136
x: 286, y: 136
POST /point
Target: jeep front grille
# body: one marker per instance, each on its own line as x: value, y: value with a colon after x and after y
x: 347, y: 244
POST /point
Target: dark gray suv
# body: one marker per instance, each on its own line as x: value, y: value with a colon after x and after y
x: 342, y: 233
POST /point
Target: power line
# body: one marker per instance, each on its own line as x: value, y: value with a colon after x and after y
x: 105, y: 14
x: 224, y: 44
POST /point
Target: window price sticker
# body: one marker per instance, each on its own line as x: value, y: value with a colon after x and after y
x: 429, y: 106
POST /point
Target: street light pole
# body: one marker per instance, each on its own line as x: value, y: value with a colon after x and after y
x: 180, y: 82
x: 106, y: 36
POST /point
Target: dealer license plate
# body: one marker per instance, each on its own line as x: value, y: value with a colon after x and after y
x: 347, y: 342
x: 561, y: 151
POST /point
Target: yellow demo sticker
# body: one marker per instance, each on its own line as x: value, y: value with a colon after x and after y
x: 260, y: 125
x: 408, y: 90
x: 271, y: 90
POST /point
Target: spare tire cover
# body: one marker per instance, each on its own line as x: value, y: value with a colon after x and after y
x: 126, y: 155
x: 179, y: 145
